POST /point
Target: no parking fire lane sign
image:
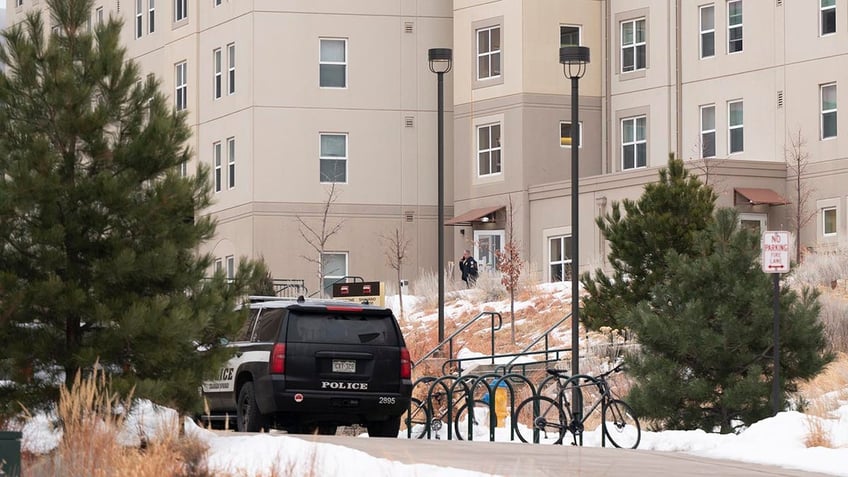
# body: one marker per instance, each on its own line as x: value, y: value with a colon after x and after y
x: 775, y: 249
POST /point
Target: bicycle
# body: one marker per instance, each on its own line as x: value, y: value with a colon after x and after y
x: 425, y: 418
x: 577, y: 398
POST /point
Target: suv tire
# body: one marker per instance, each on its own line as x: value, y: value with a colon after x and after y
x: 248, y: 417
x: 388, y: 428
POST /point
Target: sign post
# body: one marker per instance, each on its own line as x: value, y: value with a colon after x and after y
x: 775, y: 260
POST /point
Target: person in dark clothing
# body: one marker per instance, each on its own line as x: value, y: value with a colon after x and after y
x: 468, y: 267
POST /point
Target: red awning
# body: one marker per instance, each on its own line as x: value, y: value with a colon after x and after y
x: 759, y: 196
x: 473, y: 215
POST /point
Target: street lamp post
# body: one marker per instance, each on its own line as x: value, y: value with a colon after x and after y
x: 440, y: 63
x: 574, y: 60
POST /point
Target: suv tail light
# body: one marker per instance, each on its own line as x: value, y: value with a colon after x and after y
x: 277, y: 363
x: 405, y: 364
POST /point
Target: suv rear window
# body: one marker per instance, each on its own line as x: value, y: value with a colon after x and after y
x: 342, y: 329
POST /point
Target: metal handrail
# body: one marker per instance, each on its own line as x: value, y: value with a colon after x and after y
x: 449, y: 339
x: 533, y: 343
x: 508, y: 368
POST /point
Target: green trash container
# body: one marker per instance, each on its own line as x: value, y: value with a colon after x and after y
x: 10, y: 453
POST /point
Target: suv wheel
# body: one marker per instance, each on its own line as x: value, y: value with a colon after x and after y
x: 248, y: 417
x: 388, y: 428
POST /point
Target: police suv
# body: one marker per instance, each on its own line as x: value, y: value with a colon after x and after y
x: 309, y: 366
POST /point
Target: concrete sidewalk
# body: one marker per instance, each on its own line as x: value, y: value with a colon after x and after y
x: 514, y: 459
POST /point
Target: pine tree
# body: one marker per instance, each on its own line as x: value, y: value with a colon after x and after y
x: 666, y: 217
x: 98, y: 229
x: 706, y: 335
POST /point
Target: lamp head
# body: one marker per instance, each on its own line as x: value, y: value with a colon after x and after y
x: 440, y: 59
x: 574, y: 60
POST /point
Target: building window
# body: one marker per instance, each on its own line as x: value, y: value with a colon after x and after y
x: 180, y: 10
x: 99, y: 15
x: 184, y: 169
x: 828, y: 110
x: 151, y: 16
x: 829, y: 221
x: 231, y: 162
x: 181, y: 94
x: 218, y: 78
x: 734, y: 26
x: 231, y: 68
x: 735, y: 129
x: 231, y: 267
x: 333, y: 63
x: 333, y: 157
x: 488, y: 149
x: 218, y: 3
x: 219, y: 265
x: 633, y: 45
x: 569, y: 35
x: 334, y: 266
x: 828, y: 17
x: 634, y: 143
x: 216, y: 159
x: 708, y: 132
x: 565, y: 134
x: 707, y: 31
x: 139, y: 17
x: 487, y: 244
x: 19, y: 3
x: 560, y: 258
x: 488, y: 53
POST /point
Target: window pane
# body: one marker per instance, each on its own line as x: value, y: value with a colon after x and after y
x: 496, y: 161
x: 734, y: 13
x: 641, y: 125
x: 556, y: 272
x: 567, y: 248
x: 640, y: 31
x: 627, y: 59
x: 556, y: 249
x: 483, y: 41
x: 484, y: 163
x: 828, y: 97
x: 333, y: 50
x: 333, y: 76
x: 627, y: 33
x: 829, y: 221
x: 707, y: 118
x: 735, y: 114
x: 829, y: 124
x: 641, y: 154
x: 496, y: 135
x: 736, y: 140
x: 569, y: 36
x: 707, y: 18
x: 640, y: 57
x: 627, y: 129
x: 708, y: 44
x: 708, y: 144
x: 333, y: 145
x: 828, y: 21
x: 628, y: 157
x: 496, y: 39
x: 483, y: 67
x: 333, y: 170
x: 496, y: 64
x: 828, y: 3
x: 483, y: 137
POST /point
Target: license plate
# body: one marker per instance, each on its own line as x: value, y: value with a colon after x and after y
x: 344, y: 366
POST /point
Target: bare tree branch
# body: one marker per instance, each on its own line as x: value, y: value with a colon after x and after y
x: 797, y: 159
x: 396, y: 250
x: 317, y: 237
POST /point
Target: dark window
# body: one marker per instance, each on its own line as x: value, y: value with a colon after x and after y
x: 340, y: 328
x: 268, y: 325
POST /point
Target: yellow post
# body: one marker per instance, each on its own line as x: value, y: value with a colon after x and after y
x: 500, y: 403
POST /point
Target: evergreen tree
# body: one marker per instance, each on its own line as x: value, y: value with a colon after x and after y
x: 706, y: 335
x: 98, y: 229
x: 666, y: 217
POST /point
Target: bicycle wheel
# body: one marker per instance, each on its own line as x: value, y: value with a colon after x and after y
x: 479, y: 421
x: 417, y: 419
x: 620, y: 424
x: 541, y: 414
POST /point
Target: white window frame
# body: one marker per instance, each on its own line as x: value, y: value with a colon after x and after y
x: 139, y: 18
x: 565, y: 262
x: 324, y: 157
x: 632, y: 122
x: 579, y: 134
x: 217, y: 73
x: 824, y: 212
x: 489, y: 54
x: 706, y: 130
x: 330, y: 277
x: 19, y: 3
x: 761, y: 219
x: 732, y: 127
x: 151, y: 16
x: 98, y: 13
x: 706, y: 31
x: 181, y: 87
x: 180, y: 10
x: 490, y: 150
x: 218, y: 170
x: 322, y: 62
x: 731, y: 27
x: 219, y: 265
x: 829, y: 111
x: 231, y: 69
x: 635, y: 45
x: 217, y: 3
x: 827, y: 10
x: 487, y: 259
x: 579, y: 33
x: 231, y: 267
x: 231, y: 162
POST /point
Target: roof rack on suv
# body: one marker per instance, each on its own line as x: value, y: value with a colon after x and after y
x: 263, y: 298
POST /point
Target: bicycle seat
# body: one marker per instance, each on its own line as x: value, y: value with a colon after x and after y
x: 561, y: 373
